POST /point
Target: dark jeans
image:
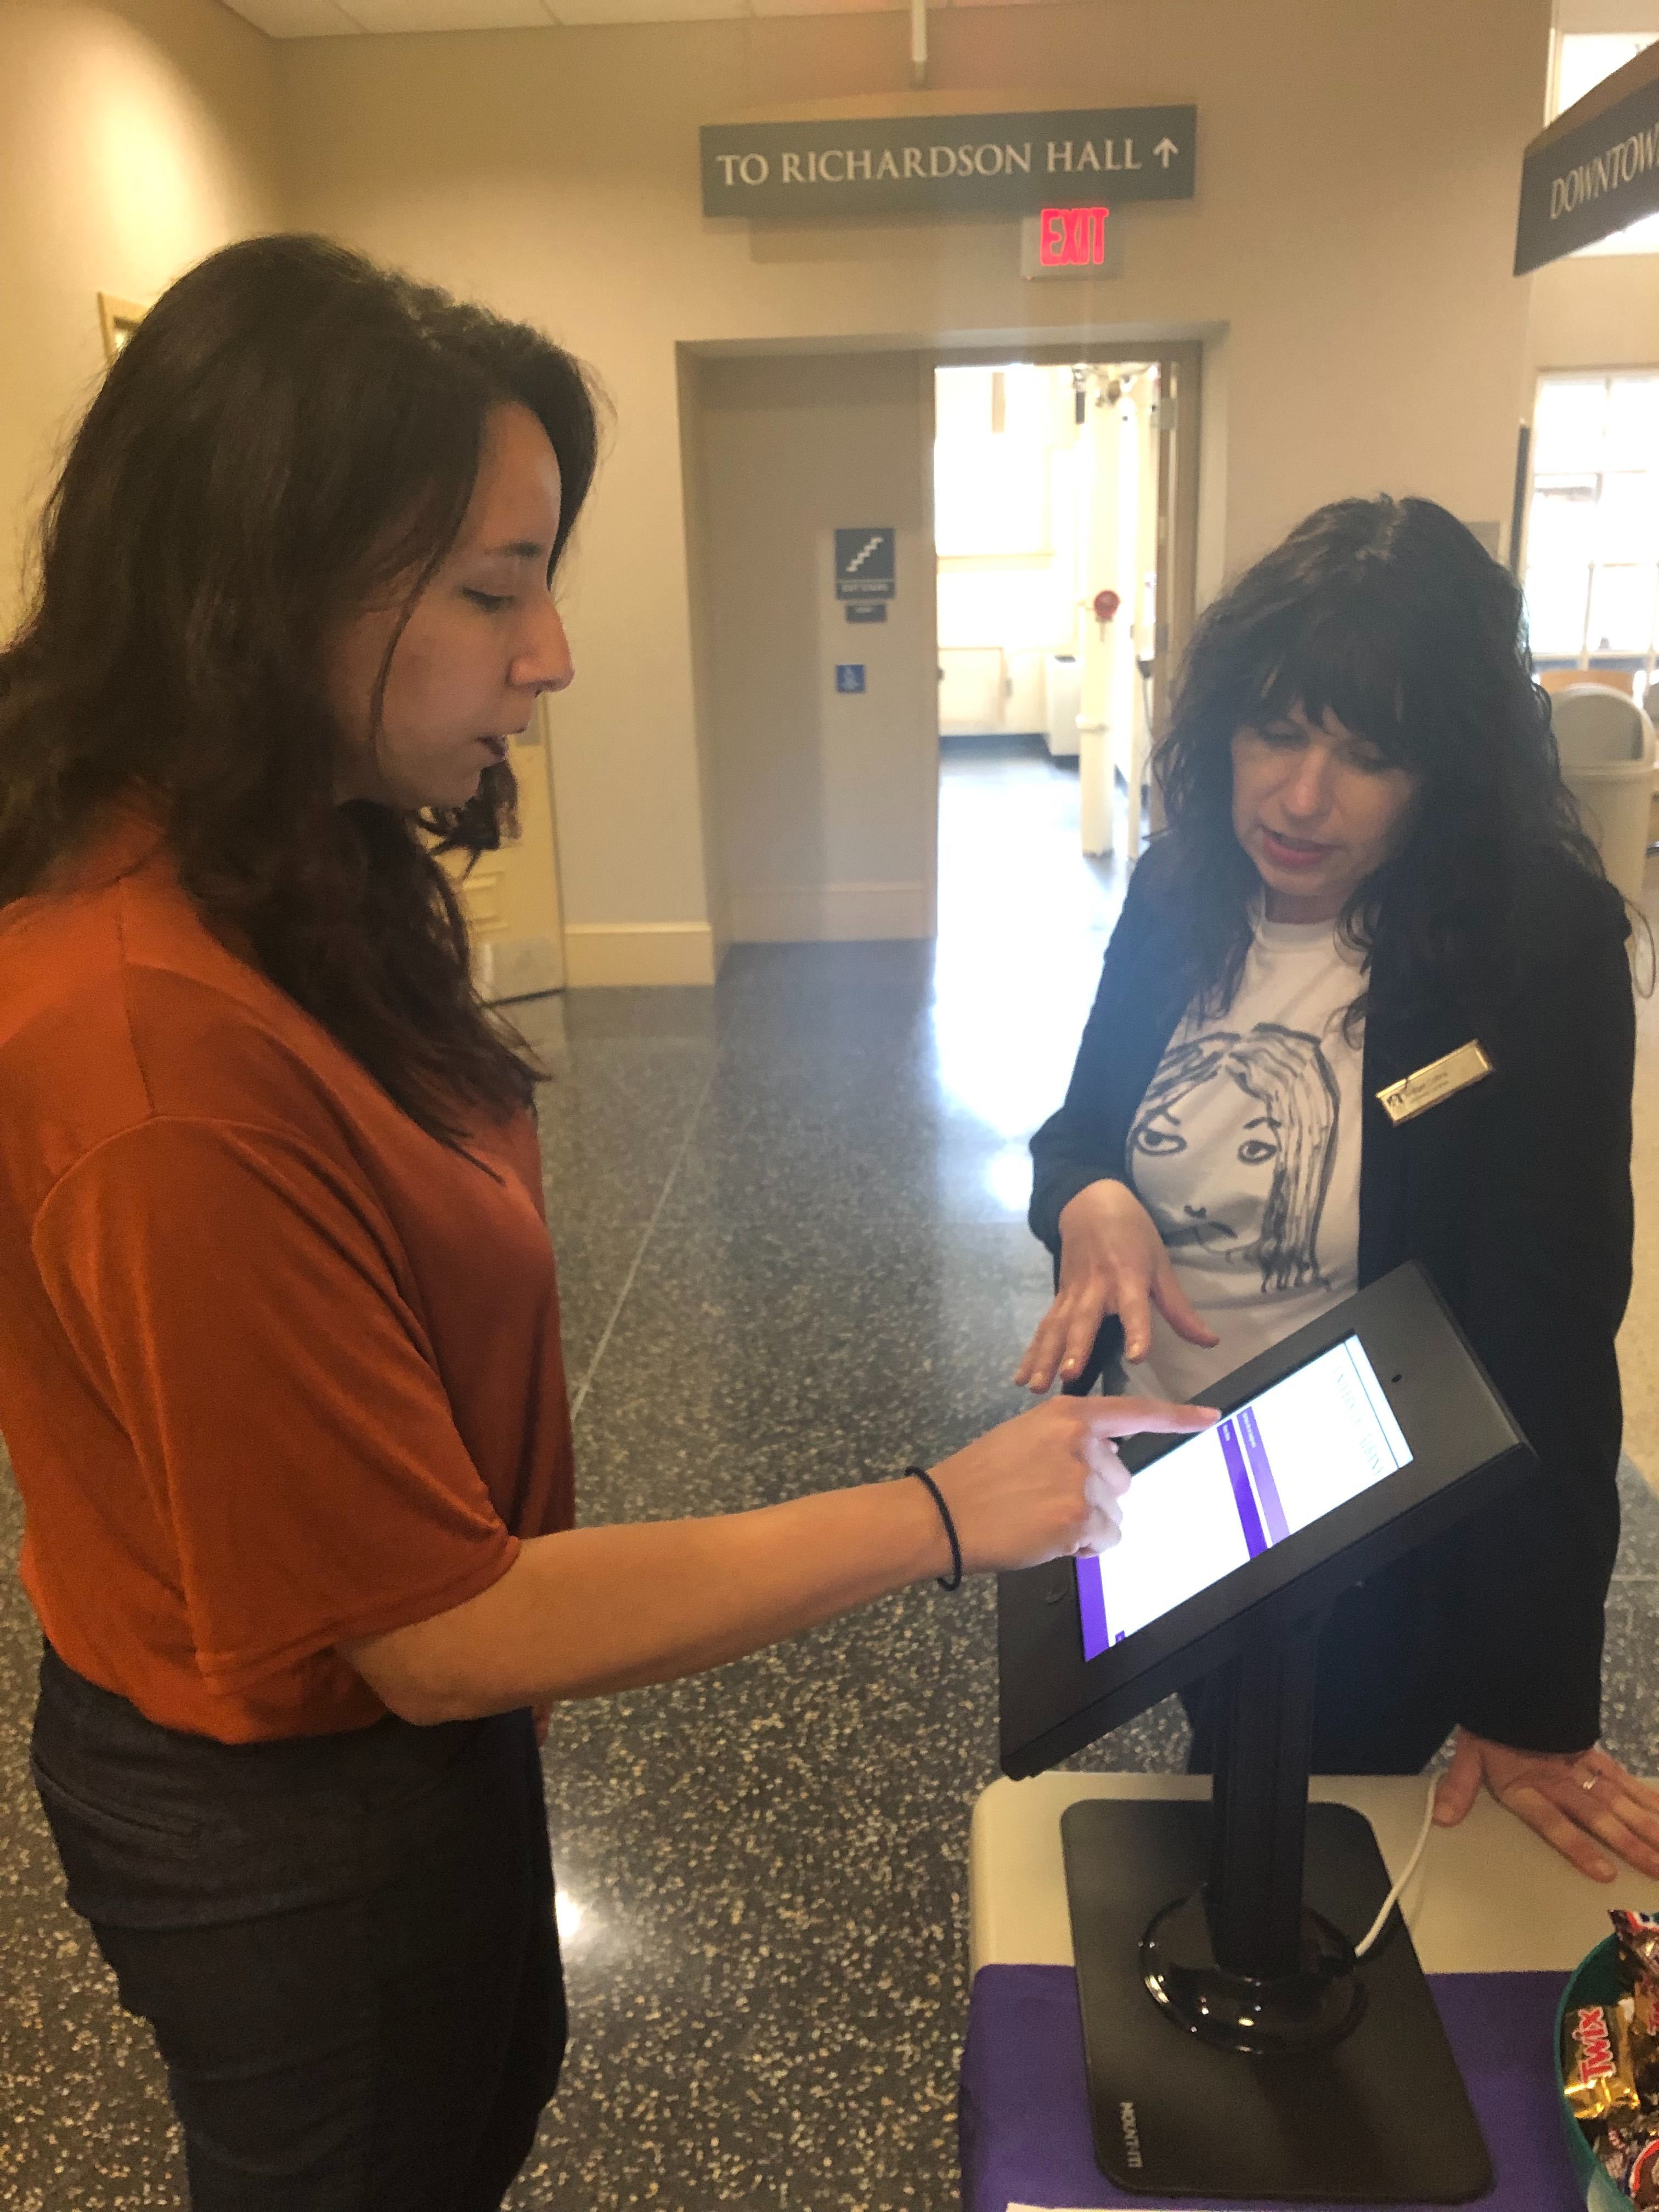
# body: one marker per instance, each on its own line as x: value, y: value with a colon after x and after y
x: 344, y: 1945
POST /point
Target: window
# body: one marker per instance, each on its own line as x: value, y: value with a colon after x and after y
x: 1592, y: 580
x: 1583, y: 59
x: 991, y: 475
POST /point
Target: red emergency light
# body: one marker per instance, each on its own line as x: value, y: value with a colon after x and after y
x: 1071, y: 238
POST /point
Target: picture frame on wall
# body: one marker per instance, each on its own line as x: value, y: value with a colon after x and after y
x: 119, y: 319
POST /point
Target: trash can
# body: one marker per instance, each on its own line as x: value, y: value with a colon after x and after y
x: 1064, y: 685
x: 1606, y: 748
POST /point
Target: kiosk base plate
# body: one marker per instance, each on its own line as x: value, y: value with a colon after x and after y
x: 1381, y: 2117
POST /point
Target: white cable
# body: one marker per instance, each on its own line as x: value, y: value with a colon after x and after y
x: 1409, y: 1870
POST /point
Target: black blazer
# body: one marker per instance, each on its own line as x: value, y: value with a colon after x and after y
x: 1515, y: 1195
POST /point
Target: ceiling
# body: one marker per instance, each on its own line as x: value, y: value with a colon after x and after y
x: 325, y: 19
x: 331, y: 19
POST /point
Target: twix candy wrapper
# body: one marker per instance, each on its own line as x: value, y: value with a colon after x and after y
x: 1598, y: 2081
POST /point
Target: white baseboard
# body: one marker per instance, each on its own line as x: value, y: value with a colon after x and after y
x: 507, y: 968
x: 605, y: 954
x: 829, y: 914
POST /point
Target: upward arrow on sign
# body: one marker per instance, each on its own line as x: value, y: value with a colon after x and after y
x: 1166, y: 150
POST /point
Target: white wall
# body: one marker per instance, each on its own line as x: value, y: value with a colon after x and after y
x: 134, y: 139
x: 1352, y: 236
x: 827, y: 801
x: 1600, y: 313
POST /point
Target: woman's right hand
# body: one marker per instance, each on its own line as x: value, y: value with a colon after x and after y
x: 1112, y: 1260
x: 1049, y: 1482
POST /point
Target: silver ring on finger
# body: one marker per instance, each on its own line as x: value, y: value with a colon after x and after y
x: 1586, y: 1778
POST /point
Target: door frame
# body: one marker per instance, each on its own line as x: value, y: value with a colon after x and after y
x: 1180, y: 362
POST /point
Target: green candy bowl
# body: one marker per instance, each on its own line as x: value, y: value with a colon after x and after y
x: 1595, y: 1981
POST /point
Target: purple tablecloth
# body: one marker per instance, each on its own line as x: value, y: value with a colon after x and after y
x: 1025, y: 2111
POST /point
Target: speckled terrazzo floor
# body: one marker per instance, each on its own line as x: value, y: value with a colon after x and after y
x: 789, y: 1218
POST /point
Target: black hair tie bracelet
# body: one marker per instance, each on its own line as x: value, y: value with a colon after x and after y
x: 955, y: 1580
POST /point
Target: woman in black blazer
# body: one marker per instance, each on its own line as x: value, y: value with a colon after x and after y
x: 1372, y: 862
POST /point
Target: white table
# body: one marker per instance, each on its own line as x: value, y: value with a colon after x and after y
x: 1488, y: 1896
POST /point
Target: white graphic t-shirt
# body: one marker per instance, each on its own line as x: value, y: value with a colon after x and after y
x: 1245, y: 1151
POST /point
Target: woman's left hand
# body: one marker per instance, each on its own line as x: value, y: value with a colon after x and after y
x: 1574, y: 1801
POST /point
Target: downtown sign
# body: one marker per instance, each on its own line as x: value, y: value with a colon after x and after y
x: 1595, y: 170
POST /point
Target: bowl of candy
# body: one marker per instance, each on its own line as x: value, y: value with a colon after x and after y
x: 1607, y: 2030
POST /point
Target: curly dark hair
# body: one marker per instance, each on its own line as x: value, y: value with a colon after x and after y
x: 1392, y: 616
x: 289, y: 428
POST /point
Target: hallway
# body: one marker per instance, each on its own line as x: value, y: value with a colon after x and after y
x: 1023, y: 918
x: 789, y: 1214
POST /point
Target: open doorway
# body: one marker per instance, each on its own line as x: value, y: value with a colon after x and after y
x: 1049, y: 504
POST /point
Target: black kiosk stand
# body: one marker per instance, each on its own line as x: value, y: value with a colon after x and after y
x: 1244, y: 1963
x: 1236, y: 2047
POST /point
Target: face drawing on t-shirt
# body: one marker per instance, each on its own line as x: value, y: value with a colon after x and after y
x: 1250, y: 1192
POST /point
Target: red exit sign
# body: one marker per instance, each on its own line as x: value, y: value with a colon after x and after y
x: 1071, y: 238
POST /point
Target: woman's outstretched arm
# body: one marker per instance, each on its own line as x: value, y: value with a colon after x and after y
x: 594, y: 1610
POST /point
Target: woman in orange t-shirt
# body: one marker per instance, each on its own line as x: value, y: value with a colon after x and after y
x: 279, y: 1354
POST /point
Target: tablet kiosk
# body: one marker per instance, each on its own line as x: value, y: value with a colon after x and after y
x: 1236, y: 2046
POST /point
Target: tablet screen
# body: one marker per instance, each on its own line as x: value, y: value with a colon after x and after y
x: 1305, y: 1446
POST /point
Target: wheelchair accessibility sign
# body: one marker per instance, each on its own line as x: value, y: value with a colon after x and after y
x: 864, y: 564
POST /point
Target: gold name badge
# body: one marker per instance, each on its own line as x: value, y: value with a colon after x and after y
x: 1415, y: 1094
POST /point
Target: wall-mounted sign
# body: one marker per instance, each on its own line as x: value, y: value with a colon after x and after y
x: 866, y: 610
x: 850, y: 676
x: 1072, y: 238
x: 1596, y: 169
x: 1070, y: 241
x: 1011, y: 165
x: 864, y: 564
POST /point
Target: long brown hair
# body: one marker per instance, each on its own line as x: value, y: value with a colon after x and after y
x: 1391, y: 614
x: 288, y: 429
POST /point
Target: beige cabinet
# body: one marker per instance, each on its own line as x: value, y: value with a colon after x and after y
x: 511, y: 897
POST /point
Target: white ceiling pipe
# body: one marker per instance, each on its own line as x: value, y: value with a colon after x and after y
x: 918, y: 41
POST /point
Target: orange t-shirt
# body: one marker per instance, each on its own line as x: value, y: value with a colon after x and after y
x: 278, y: 1369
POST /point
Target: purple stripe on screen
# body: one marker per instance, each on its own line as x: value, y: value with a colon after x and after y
x: 1091, y: 1605
x: 1244, y: 1497
x: 1273, y: 1511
